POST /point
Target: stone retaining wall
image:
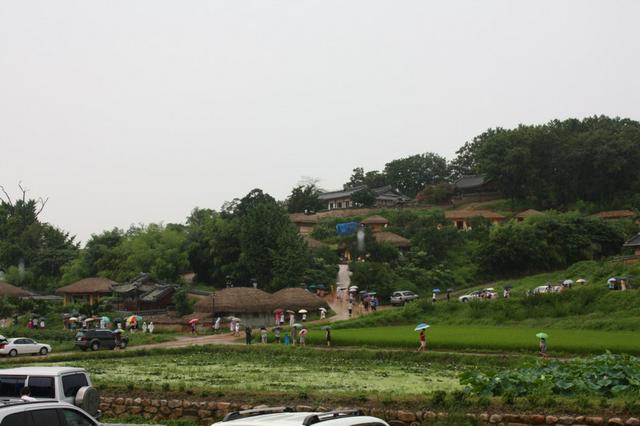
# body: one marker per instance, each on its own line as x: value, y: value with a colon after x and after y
x: 206, y: 412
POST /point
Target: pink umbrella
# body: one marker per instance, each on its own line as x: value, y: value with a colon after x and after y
x: 193, y: 321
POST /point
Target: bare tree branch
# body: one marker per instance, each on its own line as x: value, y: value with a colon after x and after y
x: 8, y: 200
x: 43, y: 202
x: 24, y: 191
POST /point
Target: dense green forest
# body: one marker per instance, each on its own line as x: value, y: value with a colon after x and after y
x: 570, y: 168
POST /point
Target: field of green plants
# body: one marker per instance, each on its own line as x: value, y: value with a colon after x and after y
x: 492, y: 338
x: 290, y: 370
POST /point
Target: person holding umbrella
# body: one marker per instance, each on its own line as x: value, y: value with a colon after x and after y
x: 193, y: 323
x: 543, y: 344
x: 263, y: 334
x: 422, y: 336
x: 327, y: 334
x: 276, y: 333
x: 303, y: 334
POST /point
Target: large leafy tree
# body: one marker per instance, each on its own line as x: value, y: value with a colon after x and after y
x: 34, y: 252
x: 411, y: 174
x: 304, y: 198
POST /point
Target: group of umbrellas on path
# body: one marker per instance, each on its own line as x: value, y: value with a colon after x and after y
x: 422, y: 327
x: 131, y: 322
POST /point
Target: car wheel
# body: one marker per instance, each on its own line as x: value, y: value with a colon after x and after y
x: 123, y: 345
x: 464, y: 300
x: 44, y: 351
x: 95, y: 346
x: 13, y: 353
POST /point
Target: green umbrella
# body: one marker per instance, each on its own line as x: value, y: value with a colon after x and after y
x: 106, y: 320
x: 542, y: 336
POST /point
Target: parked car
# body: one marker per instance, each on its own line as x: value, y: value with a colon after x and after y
x: 485, y: 293
x: 99, y: 338
x: 402, y: 297
x: 16, y: 412
x: 66, y: 384
x: 542, y: 289
x: 23, y: 346
x: 287, y: 416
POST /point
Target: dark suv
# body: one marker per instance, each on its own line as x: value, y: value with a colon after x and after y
x: 99, y: 338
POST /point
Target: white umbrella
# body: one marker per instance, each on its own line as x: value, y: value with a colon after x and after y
x: 302, y: 311
x: 611, y: 280
x: 353, y: 287
x: 567, y: 282
x: 581, y: 281
x: 323, y: 309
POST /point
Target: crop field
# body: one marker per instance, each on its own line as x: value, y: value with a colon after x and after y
x: 263, y: 369
x: 494, y: 338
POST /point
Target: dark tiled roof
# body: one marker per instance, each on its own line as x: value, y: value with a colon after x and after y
x: 340, y: 194
x: 470, y: 181
x: 157, y: 293
x: 633, y: 242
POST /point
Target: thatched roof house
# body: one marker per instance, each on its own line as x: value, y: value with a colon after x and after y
x: 377, y: 223
x: 296, y: 299
x: 88, y: 290
x: 393, y: 239
x: 8, y: 290
x: 526, y: 214
x: 304, y: 222
x: 616, y: 214
x: 242, y: 300
x: 461, y: 218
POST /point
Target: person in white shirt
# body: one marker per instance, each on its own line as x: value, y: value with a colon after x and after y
x: 151, y: 327
x: 25, y: 394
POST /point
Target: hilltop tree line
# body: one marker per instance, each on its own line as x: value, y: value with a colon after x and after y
x: 592, y: 162
x: 250, y: 239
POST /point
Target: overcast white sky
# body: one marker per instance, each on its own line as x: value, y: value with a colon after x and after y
x: 128, y: 112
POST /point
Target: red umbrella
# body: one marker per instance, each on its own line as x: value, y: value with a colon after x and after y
x: 277, y: 311
x: 193, y: 321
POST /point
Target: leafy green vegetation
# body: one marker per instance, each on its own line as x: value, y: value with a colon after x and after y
x: 604, y: 375
x: 492, y: 338
x: 585, y: 306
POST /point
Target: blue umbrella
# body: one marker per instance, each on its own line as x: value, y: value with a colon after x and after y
x: 436, y: 290
x: 422, y: 326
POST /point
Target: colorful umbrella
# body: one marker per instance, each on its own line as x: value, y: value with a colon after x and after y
x: 106, y: 320
x: 304, y: 332
x: 542, y: 336
x: 422, y: 326
x: 194, y: 320
x: 278, y: 311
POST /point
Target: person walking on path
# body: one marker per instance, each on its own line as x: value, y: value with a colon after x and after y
x: 263, y: 335
x: 327, y: 336
x: 294, y: 335
x: 423, y: 341
x: 303, y: 333
x: 144, y: 327
x: 276, y: 334
x: 292, y: 319
x: 193, y: 328
x: 237, y: 329
x: 216, y: 325
x: 151, y: 327
x: 434, y: 298
x: 543, y: 347
x: 248, y: 335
